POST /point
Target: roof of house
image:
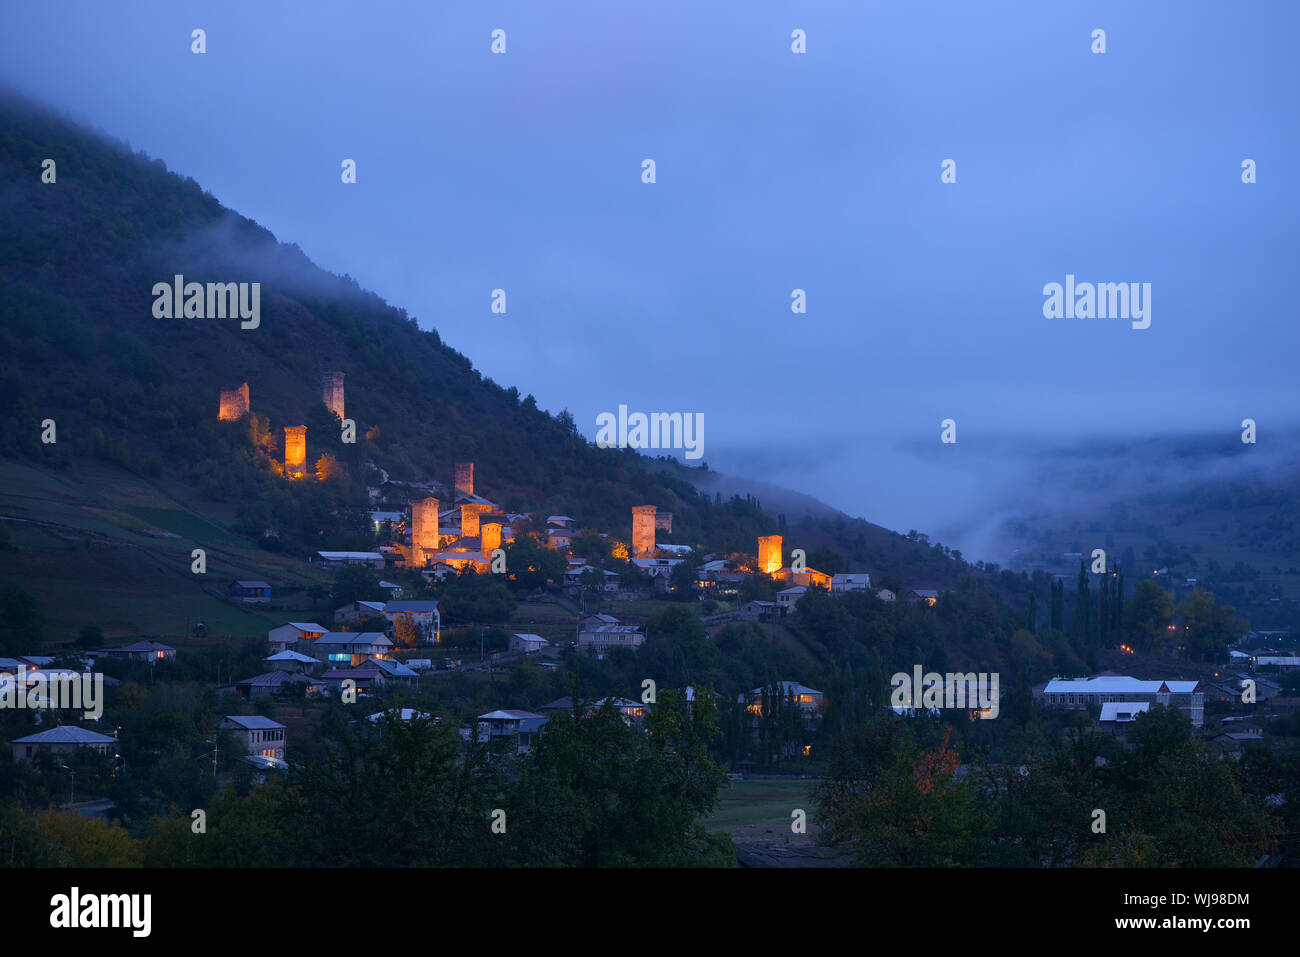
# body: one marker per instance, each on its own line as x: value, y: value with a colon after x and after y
x: 406, y: 715
x: 611, y: 630
x: 796, y: 590
x: 410, y: 606
x: 528, y: 637
x: 66, y: 734
x: 508, y: 715
x: 1123, y: 710
x: 264, y: 763
x: 343, y: 556
x: 389, y: 666
x: 342, y: 674
x: 292, y: 656
x: 272, y: 679
x: 354, y: 638
x: 1117, y: 684
x: 619, y: 703
x: 253, y: 722
x: 242, y: 583
x: 559, y: 704
x: 307, y: 626
x: 373, y: 605
x: 789, y: 689
x: 147, y: 645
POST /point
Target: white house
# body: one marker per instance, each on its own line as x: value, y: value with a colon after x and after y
x: 1187, y: 696
x: 851, y: 582
x: 260, y: 736
x: 528, y: 644
x: 787, y: 598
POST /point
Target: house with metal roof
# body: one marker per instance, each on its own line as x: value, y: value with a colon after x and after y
x: 1187, y: 696
x: 63, y: 740
x: 258, y: 735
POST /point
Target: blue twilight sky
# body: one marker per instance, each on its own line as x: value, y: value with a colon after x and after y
x: 775, y: 171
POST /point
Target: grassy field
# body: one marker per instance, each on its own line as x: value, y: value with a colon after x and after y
x: 100, y: 546
x: 758, y: 805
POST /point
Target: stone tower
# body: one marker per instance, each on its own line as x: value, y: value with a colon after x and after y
x: 295, y: 451
x: 470, y: 514
x: 424, y: 528
x: 331, y: 392
x: 643, y: 531
x: 490, y: 538
x: 234, y: 404
x: 770, y: 553
x: 464, y: 478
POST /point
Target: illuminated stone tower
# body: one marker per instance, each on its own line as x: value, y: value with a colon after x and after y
x: 643, y: 531
x: 234, y: 404
x: 424, y: 528
x: 490, y: 537
x: 331, y: 392
x: 465, y: 478
x: 769, y: 554
x: 470, y: 515
x: 295, y: 451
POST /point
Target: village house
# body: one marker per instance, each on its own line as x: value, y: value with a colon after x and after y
x: 573, y: 577
x: 271, y: 684
x: 887, y: 596
x: 62, y: 741
x: 788, y: 598
x: 928, y: 596
x: 425, y: 615
x: 249, y: 591
x: 350, y: 648
x: 528, y: 644
x: 599, y: 633
x: 259, y: 735
x: 632, y: 711
x: 339, y: 559
x: 286, y: 636
x: 147, y: 650
x: 294, y: 662
x: 365, y: 679
x: 1187, y: 696
x: 518, y: 730
x: 356, y: 610
x: 761, y: 611
x: 851, y: 582
x: 393, y: 670
x: 810, y: 701
x: 1234, y: 743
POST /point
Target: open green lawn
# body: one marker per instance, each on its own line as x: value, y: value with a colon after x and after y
x: 759, y: 804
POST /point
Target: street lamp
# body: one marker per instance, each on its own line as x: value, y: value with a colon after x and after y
x: 72, y: 797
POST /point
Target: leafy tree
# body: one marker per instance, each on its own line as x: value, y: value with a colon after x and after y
x: 1147, y: 616
x: 22, y: 627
